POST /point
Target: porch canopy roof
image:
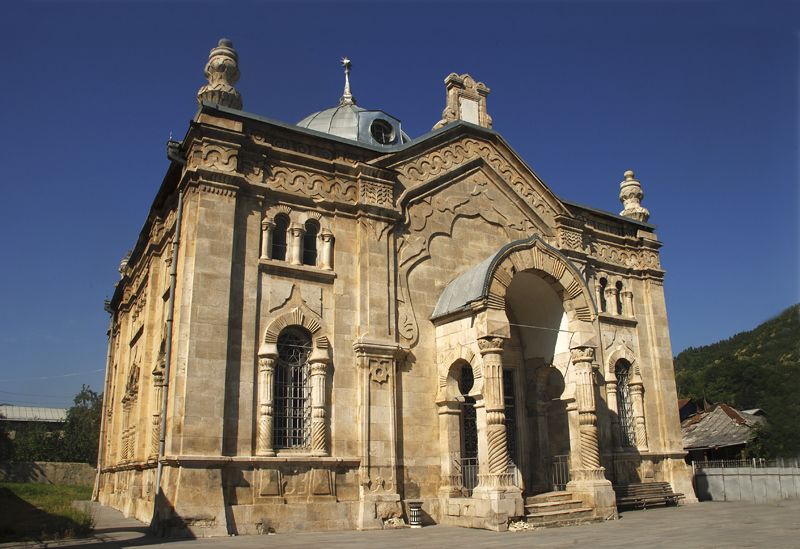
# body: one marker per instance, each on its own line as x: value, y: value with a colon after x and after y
x: 473, y: 284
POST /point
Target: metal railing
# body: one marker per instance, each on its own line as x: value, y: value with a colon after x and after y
x: 757, y: 463
x: 559, y: 472
x: 469, y: 474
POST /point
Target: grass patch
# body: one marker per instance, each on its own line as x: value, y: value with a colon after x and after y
x: 42, y: 512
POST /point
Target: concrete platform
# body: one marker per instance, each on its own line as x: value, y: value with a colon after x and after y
x: 702, y: 525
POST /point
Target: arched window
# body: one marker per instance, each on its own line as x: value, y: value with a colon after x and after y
x: 618, y: 297
x: 279, y: 237
x: 603, y: 284
x: 292, y: 427
x: 627, y: 427
x: 469, y: 431
x: 310, y: 243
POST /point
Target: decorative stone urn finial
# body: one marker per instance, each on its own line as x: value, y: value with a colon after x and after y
x: 631, y: 194
x: 347, y: 97
x: 222, y: 71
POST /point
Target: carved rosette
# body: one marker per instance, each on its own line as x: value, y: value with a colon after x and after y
x: 491, y: 349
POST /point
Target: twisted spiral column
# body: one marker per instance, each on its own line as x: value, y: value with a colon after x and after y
x: 266, y: 372
x: 637, y: 395
x: 491, y: 349
x: 319, y: 372
x: 583, y: 358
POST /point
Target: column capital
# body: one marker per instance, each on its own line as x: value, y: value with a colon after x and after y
x: 581, y: 354
x: 326, y: 235
x: 491, y: 344
x: 267, y: 223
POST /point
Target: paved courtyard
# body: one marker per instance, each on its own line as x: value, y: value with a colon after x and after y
x: 703, y: 525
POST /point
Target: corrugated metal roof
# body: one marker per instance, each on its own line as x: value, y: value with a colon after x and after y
x: 721, y: 427
x: 32, y: 413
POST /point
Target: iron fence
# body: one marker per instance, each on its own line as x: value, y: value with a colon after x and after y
x: 469, y: 474
x: 757, y: 463
x: 559, y: 472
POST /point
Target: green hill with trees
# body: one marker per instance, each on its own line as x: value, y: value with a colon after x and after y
x: 755, y: 369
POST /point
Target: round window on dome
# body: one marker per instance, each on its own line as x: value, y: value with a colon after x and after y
x: 381, y: 131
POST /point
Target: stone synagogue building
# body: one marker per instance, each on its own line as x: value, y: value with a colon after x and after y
x: 324, y: 321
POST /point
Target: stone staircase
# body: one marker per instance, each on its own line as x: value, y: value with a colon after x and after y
x: 553, y: 509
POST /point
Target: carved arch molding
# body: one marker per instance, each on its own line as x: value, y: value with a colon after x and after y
x: 535, y: 255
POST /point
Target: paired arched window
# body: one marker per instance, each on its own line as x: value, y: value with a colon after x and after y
x: 292, y: 423
x: 310, y: 243
x: 279, y: 237
x: 627, y: 427
x: 603, y: 284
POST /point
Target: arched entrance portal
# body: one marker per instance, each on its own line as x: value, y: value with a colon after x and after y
x: 526, y: 322
x: 540, y: 339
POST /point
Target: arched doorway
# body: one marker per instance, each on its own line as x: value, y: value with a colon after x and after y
x: 538, y: 359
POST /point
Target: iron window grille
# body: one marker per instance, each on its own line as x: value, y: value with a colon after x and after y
x: 627, y: 426
x: 292, y: 421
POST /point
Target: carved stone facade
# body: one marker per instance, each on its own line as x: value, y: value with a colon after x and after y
x: 340, y: 326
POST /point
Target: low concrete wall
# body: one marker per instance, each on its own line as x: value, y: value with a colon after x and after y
x: 754, y: 484
x: 47, y: 472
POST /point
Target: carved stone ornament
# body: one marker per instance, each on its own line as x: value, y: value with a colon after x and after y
x: 379, y: 370
x: 222, y: 72
x: 581, y: 354
x: 491, y: 344
x: 631, y: 194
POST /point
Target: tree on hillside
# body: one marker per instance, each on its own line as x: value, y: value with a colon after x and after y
x: 82, y: 429
x: 755, y: 369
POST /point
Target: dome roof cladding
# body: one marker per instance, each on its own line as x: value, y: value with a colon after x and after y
x: 349, y: 121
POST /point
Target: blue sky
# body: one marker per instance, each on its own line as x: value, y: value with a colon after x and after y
x: 698, y: 98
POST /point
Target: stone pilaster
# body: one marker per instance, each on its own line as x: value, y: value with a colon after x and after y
x: 326, y: 253
x: 267, y: 227
x: 611, y: 300
x: 582, y: 359
x: 611, y: 398
x: 378, y: 493
x: 495, y: 475
x: 627, y: 303
x: 589, y: 479
x: 319, y: 361
x: 266, y: 376
x: 295, y: 246
x: 637, y: 395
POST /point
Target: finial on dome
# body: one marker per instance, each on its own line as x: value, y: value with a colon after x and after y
x: 631, y: 194
x: 222, y: 72
x: 347, y: 97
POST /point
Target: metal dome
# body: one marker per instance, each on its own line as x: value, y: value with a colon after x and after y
x: 349, y: 121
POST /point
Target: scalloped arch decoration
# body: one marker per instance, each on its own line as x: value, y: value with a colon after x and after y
x: 295, y: 317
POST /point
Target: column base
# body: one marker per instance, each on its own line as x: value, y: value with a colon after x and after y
x: 501, y: 504
x: 373, y: 510
x: 595, y: 491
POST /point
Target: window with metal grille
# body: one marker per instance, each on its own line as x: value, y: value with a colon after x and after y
x: 627, y: 427
x: 292, y: 420
x: 511, y: 414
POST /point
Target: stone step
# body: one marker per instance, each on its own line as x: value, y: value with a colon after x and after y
x: 558, y: 523
x: 571, y: 516
x: 549, y: 496
x: 566, y: 505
